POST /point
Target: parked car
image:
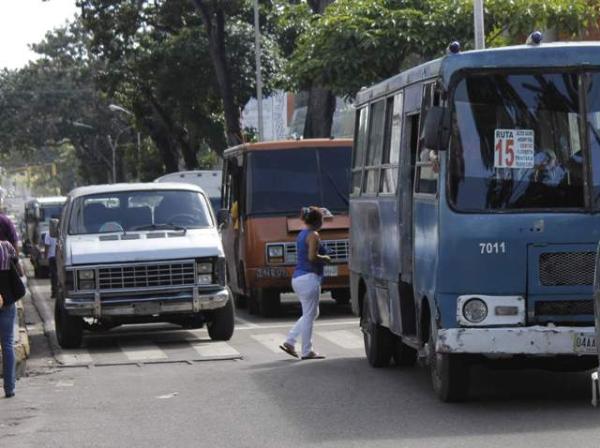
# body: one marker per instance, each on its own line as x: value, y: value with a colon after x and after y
x: 137, y: 253
x: 38, y: 212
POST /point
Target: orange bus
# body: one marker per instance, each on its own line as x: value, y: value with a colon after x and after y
x: 264, y: 187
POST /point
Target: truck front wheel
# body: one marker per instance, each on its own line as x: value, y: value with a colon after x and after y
x: 221, y: 322
x: 69, y: 329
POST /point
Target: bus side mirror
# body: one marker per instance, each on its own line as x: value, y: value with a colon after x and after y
x: 223, y: 217
x: 434, y: 133
x: 53, y: 228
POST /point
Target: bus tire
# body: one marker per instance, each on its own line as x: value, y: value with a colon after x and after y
x: 69, y: 329
x: 221, y: 322
x: 240, y: 301
x: 403, y: 355
x: 449, y: 374
x: 379, y: 342
x: 268, y: 302
x: 341, y: 296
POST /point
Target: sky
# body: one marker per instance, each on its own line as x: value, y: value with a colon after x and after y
x: 23, y: 22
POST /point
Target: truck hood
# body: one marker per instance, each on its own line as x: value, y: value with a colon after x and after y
x: 142, y: 246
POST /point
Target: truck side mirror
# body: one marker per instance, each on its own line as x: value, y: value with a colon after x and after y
x: 434, y: 133
x: 53, y: 228
x: 223, y: 217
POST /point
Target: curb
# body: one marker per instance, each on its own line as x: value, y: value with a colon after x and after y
x: 22, y: 348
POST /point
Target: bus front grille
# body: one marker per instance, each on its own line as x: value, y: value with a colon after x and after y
x: 566, y: 268
x: 563, y: 307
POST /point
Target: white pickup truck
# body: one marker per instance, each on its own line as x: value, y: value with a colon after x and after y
x: 136, y: 253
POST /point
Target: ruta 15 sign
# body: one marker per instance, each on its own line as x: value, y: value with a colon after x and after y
x: 513, y: 148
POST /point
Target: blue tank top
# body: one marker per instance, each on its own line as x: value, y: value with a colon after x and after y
x: 303, y: 264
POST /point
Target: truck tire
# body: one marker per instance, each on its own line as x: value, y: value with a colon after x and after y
x: 449, y: 373
x: 221, y: 322
x: 69, y: 329
x: 341, y: 296
x: 379, y: 341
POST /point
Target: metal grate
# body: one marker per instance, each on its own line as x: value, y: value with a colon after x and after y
x: 564, y: 307
x: 567, y: 268
x: 146, y: 275
x: 338, y: 251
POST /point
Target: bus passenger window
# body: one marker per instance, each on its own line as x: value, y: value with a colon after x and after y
x: 375, y: 148
x: 427, y: 172
x: 391, y: 151
x: 360, y: 145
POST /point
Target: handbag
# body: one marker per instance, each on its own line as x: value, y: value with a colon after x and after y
x: 17, y: 286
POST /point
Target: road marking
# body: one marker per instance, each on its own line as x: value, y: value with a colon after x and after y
x: 343, y: 338
x: 142, y: 352
x: 270, y: 340
x: 211, y: 349
x: 246, y: 322
x: 290, y: 324
x: 75, y: 357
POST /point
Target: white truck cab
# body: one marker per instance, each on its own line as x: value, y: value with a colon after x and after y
x: 135, y: 253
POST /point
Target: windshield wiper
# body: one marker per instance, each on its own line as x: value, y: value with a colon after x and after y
x: 165, y: 226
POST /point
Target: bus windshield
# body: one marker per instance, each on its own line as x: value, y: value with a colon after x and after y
x: 517, y: 143
x: 48, y: 212
x: 283, y: 181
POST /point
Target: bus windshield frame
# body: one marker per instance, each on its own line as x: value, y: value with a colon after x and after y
x: 301, y: 177
x: 555, y: 111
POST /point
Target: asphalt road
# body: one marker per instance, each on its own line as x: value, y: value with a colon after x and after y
x: 163, y: 386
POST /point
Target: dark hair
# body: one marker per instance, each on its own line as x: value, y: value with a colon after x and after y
x: 311, y: 215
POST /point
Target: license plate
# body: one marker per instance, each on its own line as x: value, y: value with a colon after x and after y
x: 331, y: 271
x: 584, y: 344
x: 147, y: 308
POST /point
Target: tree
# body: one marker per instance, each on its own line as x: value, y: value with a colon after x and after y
x: 359, y: 42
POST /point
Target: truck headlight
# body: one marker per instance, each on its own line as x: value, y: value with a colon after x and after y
x: 475, y: 311
x: 275, y: 253
x: 86, y: 274
x: 205, y: 279
x: 86, y: 279
x: 204, y: 268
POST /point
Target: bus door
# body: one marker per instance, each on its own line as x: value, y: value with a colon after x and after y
x: 231, y: 231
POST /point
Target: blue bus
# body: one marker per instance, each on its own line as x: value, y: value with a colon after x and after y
x: 475, y: 211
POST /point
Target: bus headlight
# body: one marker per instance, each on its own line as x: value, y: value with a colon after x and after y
x: 475, y: 311
x: 275, y: 253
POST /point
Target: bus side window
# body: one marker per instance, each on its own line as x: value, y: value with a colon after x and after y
x: 391, y: 149
x: 428, y: 164
x: 360, y: 145
x: 375, y: 148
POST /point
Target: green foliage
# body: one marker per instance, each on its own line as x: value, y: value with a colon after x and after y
x: 358, y: 42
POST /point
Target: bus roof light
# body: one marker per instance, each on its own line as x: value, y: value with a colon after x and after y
x: 535, y: 38
x: 454, y: 47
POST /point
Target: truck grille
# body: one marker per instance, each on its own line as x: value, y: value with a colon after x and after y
x: 147, y: 275
x: 563, y: 307
x: 567, y: 268
x: 338, y: 251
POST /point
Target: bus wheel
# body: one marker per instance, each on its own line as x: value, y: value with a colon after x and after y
x: 240, y: 301
x: 449, y: 373
x: 404, y: 355
x: 379, y: 342
x: 268, y: 302
x: 341, y: 296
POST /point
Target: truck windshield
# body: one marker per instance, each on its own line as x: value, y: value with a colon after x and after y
x: 284, y: 181
x: 516, y: 142
x: 139, y: 210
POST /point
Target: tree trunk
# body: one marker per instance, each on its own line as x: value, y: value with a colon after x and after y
x: 319, y: 114
x: 213, y: 17
x: 321, y: 102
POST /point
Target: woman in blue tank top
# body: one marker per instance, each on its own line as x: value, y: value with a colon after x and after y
x: 306, y: 283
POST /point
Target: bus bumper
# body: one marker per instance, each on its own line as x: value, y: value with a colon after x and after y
x: 535, y: 340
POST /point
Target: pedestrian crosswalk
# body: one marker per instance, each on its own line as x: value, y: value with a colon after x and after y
x: 194, y: 346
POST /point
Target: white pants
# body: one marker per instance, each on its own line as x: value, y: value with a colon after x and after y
x: 308, y: 289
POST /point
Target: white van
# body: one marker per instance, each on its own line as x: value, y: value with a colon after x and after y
x: 208, y: 180
x: 137, y: 253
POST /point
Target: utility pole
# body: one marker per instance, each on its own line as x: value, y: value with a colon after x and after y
x: 258, y: 72
x: 479, y: 24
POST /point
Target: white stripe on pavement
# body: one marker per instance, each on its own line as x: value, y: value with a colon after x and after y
x: 143, y: 352
x: 211, y: 349
x: 75, y: 357
x: 343, y: 338
x: 270, y: 340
